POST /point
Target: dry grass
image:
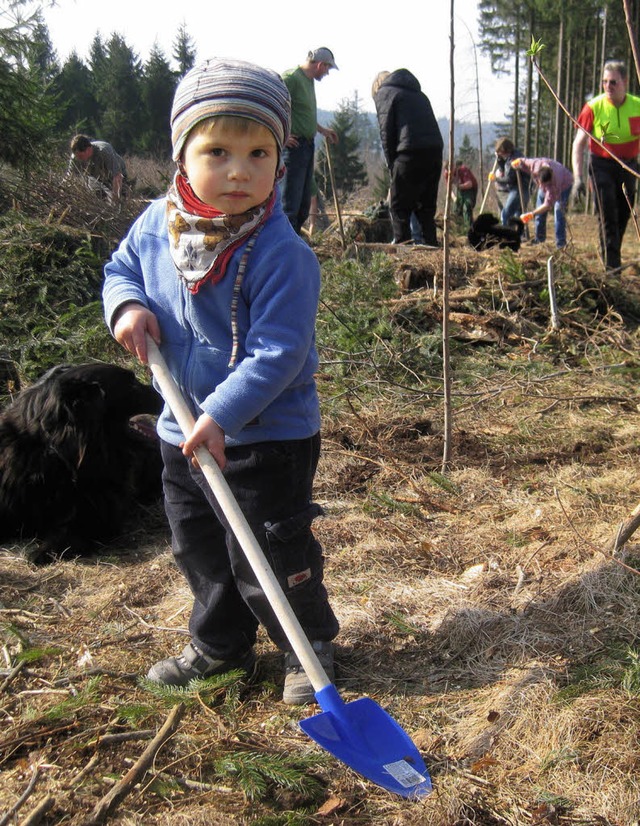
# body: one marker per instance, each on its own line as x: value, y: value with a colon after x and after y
x: 483, y: 608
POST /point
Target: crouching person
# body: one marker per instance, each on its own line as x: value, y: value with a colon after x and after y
x: 216, y: 275
x: 554, y: 182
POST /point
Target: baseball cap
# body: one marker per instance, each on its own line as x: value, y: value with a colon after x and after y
x: 322, y: 55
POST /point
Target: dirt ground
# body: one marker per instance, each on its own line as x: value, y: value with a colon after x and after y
x: 482, y: 607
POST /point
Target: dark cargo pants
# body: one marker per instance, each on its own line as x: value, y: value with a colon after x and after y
x: 272, y: 483
x: 612, y: 206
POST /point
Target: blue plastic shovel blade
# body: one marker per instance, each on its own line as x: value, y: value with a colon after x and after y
x: 367, y: 739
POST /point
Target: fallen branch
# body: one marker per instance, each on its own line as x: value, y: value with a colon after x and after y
x: 114, y: 797
x: 407, y: 246
x: 11, y: 676
x: 125, y: 736
x: 582, y: 538
x: 154, y: 627
x: 193, y: 785
x: 186, y: 783
x: 36, y: 814
x: 84, y: 771
x: 23, y: 797
x: 626, y: 529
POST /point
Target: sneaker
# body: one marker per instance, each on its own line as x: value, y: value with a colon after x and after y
x: 193, y: 664
x: 297, y: 688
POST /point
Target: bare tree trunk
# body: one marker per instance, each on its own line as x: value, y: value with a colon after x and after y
x: 516, y: 90
x: 446, y: 359
x: 557, y: 148
x: 597, y: 69
x: 636, y: 29
x: 632, y: 35
x: 480, y: 143
x: 536, y: 151
x: 566, y: 124
x: 595, y: 64
x: 581, y: 93
x: 529, y: 103
x: 603, y: 53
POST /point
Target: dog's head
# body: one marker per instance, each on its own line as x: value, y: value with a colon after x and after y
x: 486, y: 232
x: 124, y: 396
x: 71, y: 407
x: 485, y: 222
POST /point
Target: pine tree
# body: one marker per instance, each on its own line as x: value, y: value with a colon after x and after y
x: 27, y: 114
x: 184, y: 51
x: 73, y: 89
x: 97, y: 57
x: 348, y: 170
x: 467, y: 154
x: 40, y: 56
x: 119, y: 94
x: 158, y: 87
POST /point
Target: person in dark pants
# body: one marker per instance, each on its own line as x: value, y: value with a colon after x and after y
x: 412, y: 146
x: 514, y: 195
x: 466, y: 192
x: 613, y: 118
x: 299, y: 151
x: 215, y: 274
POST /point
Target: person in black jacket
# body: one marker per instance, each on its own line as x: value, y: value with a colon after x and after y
x: 412, y: 146
x: 505, y: 178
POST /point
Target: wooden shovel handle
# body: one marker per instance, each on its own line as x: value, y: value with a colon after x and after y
x: 239, y: 525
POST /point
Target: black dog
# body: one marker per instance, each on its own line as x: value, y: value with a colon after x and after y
x: 487, y: 231
x: 72, y: 466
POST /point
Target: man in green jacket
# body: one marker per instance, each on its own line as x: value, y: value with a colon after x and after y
x: 298, y: 154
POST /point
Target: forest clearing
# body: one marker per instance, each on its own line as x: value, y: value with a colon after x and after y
x: 481, y: 606
x: 488, y: 603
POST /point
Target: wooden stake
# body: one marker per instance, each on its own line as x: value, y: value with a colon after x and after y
x: 521, y: 194
x: 486, y: 192
x: 551, y: 284
x: 335, y: 194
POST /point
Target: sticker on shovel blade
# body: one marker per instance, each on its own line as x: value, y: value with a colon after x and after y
x: 405, y: 774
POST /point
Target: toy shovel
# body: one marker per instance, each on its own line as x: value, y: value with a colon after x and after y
x: 359, y: 733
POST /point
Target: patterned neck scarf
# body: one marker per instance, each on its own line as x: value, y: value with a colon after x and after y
x: 202, y: 239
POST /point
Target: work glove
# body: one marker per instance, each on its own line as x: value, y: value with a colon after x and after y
x: 492, y: 176
x: 526, y: 217
x: 515, y: 163
x: 579, y: 190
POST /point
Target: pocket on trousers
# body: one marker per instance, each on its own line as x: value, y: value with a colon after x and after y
x: 296, y: 555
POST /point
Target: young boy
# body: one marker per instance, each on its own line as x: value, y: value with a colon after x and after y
x: 216, y: 275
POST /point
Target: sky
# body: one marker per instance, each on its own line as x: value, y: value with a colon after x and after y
x: 279, y: 35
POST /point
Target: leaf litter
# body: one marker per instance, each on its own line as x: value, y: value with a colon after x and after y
x: 481, y: 605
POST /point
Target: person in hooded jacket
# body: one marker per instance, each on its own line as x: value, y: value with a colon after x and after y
x: 412, y: 145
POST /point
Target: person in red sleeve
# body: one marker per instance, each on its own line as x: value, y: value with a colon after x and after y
x: 466, y: 191
x: 614, y: 119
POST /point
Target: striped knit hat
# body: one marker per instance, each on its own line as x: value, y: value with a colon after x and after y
x: 230, y: 87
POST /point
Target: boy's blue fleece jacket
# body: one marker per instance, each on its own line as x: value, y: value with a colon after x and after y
x: 270, y: 393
